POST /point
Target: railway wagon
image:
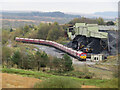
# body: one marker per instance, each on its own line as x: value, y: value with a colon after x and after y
x: 77, y: 54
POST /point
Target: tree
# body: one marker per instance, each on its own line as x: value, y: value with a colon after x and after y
x: 27, y: 61
x: 62, y: 65
x: 5, y: 37
x: 100, y: 21
x: 67, y: 61
x: 11, y: 30
x: 43, y: 31
x: 41, y: 59
x: 26, y: 28
x: 75, y: 20
x: 58, y: 64
x: 44, y: 60
x: 6, y: 55
x: 83, y: 20
x: 55, y: 32
x: 16, y: 58
x: 30, y: 61
x: 50, y: 63
x: 37, y: 59
x: 110, y: 23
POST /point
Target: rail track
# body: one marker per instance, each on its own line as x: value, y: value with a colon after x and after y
x: 99, y: 68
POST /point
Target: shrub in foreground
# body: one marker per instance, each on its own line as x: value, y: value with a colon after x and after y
x: 58, y: 82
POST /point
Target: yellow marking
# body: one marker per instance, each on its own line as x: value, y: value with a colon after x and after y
x: 83, y: 57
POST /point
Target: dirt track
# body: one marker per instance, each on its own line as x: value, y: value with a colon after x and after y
x: 17, y: 81
x: 88, y: 86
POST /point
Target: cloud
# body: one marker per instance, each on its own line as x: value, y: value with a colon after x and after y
x: 59, y: 1
x: 76, y: 7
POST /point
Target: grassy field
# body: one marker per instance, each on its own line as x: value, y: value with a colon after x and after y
x: 105, y: 69
x: 112, y: 59
x: 98, y: 73
x: 45, y: 77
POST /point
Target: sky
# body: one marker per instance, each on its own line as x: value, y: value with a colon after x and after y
x: 66, y: 6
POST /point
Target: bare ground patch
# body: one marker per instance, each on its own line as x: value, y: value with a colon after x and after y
x: 17, y: 81
x: 88, y: 86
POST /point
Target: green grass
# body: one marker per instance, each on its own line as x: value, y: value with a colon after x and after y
x: 77, y: 74
x: 28, y: 73
x: 111, y: 59
x: 45, y: 76
x: 59, y: 82
x: 98, y: 73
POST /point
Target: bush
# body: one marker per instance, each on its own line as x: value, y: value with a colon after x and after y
x: 110, y: 23
x: 67, y: 62
x: 76, y: 74
x: 16, y: 58
x: 6, y: 55
x: 58, y: 82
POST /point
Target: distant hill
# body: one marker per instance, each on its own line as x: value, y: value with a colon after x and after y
x: 108, y: 14
x: 54, y: 14
x: 44, y: 14
x: 20, y: 18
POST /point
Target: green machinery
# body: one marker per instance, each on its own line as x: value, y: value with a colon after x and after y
x: 88, y: 30
x: 101, y: 39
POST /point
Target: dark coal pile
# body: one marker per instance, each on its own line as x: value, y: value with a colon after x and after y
x: 97, y: 45
x: 73, y: 45
x: 77, y: 42
x: 83, y: 41
x: 107, y: 46
x: 69, y: 44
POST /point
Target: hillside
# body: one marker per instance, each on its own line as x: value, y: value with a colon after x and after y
x: 16, y: 19
x: 21, y: 76
x: 107, y: 14
x: 42, y: 14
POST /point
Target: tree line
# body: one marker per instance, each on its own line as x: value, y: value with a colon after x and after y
x: 42, y: 31
x: 99, y: 21
x: 35, y: 61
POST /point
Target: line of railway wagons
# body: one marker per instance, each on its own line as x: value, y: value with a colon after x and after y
x: 78, y: 54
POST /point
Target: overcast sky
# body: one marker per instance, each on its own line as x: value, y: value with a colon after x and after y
x: 72, y: 6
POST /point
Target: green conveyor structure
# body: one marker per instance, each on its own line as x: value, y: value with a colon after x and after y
x: 107, y: 34
x: 88, y: 30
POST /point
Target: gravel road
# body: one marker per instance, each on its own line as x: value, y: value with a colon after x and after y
x: 51, y: 51
x: 57, y: 53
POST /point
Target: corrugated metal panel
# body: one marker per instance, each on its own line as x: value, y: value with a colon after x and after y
x: 79, y: 24
x: 91, y: 30
x: 101, y: 27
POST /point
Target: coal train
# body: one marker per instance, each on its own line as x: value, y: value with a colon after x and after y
x: 77, y: 54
